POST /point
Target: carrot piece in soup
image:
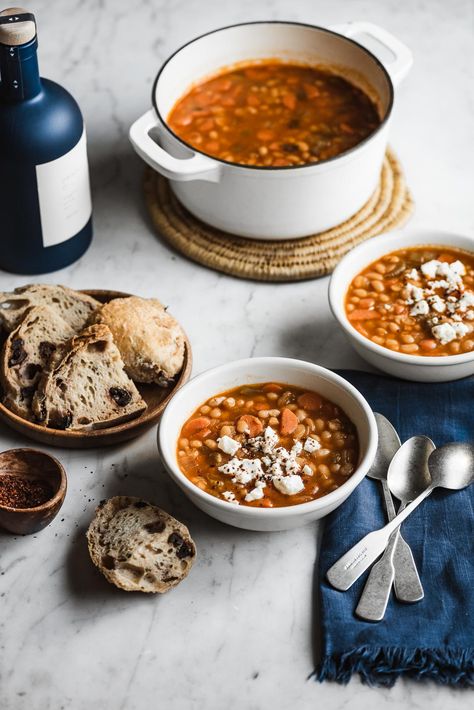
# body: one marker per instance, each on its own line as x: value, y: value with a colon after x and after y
x: 289, y: 422
x: 251, y: 425
x: 310, y: 400
x: 272, y: 388
x: 195, y: 425
x: 363, y: 314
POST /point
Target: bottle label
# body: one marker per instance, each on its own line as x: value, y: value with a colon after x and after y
x: 64, y: 194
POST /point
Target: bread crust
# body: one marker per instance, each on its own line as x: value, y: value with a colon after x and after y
x: 150, y: 340
x: 139, y: 547
x: 75, y: 307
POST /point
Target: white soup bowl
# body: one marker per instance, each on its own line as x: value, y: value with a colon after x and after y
x: 251, y: 371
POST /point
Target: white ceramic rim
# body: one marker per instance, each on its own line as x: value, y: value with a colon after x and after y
x: 269, y: 168
x: 394, y: 242
x: 283, y: 511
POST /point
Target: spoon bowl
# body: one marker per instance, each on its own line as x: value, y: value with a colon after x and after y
x: 452, y: 466
x: 408, y: 474
x: 389, y: 443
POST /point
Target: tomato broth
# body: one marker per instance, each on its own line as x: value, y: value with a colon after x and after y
x: 417, y: 301
x: 273, y: 114
x: 268, y: 445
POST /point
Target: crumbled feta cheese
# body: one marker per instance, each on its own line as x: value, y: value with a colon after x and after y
x: 437, y: 303
x: 460, y: 329
x: 307, y: 470
x: 289, y: 485
x: 256, y: 493
x: 430, y: 268
x: 276, y: 469
x: 297, y: 448
x: 440, y: 283
x: 265, y: 443
x: 292, y: 465
x: 271, y: 439
x: 281, y: 454
x: 469, y: 315
x: 413, y: 274
x: 228, y: 445
x: 444, y: 332
x: 458, y: 268
x: 466, y: 301
x: 415, y: 293
x: 311, y: 445
x: 242, y: 470
x: 421, y: 308
x: 451, y: 274
x: 230, y: 497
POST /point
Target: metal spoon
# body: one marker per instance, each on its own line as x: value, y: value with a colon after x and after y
x: 412, y: 457
x: 451, y: 466
x: 407, y: 583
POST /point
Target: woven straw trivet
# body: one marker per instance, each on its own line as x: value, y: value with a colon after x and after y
x: 292, y: 260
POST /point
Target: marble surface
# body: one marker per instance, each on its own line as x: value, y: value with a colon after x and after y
x: 238, y: 633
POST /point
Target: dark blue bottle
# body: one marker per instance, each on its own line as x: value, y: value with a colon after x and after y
x: 45, y: 203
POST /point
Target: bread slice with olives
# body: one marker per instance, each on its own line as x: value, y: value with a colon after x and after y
x: 139, y: 547
x: 86, y: 386
x: 26, y: 354
x: 75, y: 307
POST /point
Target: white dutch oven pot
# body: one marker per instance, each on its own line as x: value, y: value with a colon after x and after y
x: 267, y: 202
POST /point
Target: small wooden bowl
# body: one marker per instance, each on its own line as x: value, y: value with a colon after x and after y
x: 32, y: 464
x: 156, y: 398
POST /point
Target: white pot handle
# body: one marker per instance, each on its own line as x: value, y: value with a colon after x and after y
x: 199, y: 167
x: 402, y: 60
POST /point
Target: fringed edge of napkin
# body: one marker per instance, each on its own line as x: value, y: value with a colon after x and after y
x: 383, y: 666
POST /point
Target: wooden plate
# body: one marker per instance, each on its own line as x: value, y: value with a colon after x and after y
x: 156, y: 398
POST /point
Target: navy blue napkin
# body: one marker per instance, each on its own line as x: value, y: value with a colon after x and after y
x: 434, y: 638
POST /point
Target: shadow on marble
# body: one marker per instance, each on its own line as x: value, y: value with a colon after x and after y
x: 320, y: 342
x: 147, y: 480
x: 116, y: 182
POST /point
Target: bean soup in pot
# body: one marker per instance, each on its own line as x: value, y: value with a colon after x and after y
x: 272, y: 114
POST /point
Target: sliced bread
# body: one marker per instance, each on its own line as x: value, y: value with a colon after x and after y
x: 150, y: 340
x: 76, y: 308
x: 139, y: 547
x: 27, y: 353
x: 86, y: 386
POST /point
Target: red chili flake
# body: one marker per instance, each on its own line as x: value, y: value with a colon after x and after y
x: 17, y: 492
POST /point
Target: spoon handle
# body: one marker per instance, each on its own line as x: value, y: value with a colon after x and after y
x: 407, y: 584
x: 395, y: 567
x: 355, y: 561
x: 388, y: 500
x: 374, y: 599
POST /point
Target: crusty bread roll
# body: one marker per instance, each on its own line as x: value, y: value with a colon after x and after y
x: 139, y: 547
x: 150, y: 340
